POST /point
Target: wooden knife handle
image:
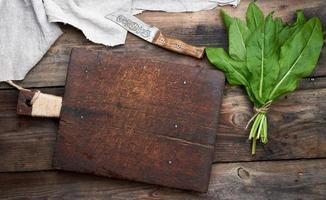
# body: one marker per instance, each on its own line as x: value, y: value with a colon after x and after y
x: 37, y: 104
x: 178, y: 46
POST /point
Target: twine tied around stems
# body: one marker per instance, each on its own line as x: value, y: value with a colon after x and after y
x: 262, y: 110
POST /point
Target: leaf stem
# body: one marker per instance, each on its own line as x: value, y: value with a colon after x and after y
x: 260, y: 125
x: 253, y: 147
x: 258, y: 131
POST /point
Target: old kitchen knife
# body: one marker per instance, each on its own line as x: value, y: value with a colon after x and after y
x: 153, y: 34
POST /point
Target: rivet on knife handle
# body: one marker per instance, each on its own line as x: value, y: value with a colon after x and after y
x: 178, y: 46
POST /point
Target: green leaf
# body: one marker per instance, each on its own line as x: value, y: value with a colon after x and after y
x: 254, y: 17
x: 299, y: 55
x: 279, y: 25
x: 238, y: 36
x: 300, y: 18
x: 236, y: 72
x: 262, y: 59
x: 227, y: 19
x: 291, y: 30
x: 268, y: 58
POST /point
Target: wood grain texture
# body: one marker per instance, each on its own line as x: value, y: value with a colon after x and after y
x: 297, y: 123
x: 312, y: 83
x: 24, y: 106
x: 178, y: 46
x: 199, y: 28
x: 26, y: 144
x: 297, y: 129
x: 135, y: 119
x: 256, y: 180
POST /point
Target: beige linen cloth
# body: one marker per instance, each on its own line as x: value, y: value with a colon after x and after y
x: 26, y: 33
x: 25, y: 36
x: 89, y: 16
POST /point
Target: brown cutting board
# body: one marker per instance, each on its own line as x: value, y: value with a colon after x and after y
x: 139, y: 120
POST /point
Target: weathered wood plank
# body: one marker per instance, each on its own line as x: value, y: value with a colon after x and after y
x: 312, y: 83
x: 139, y: 120
x: 26, y: 143
x: 200, y: 28
x: 297, y: 130
x: 296, y: 127
x: 255, y: 180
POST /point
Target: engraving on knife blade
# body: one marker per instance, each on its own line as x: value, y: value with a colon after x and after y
x: 133, y: 26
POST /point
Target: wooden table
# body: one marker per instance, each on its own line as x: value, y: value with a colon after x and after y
x: 291, y: 166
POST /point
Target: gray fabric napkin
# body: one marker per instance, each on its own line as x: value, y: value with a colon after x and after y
x: 173, y: 5
x: 25, y: 36
x: 89, y: 16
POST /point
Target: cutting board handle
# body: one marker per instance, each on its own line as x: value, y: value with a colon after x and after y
x: 178, y: 46
x: 38, y: 104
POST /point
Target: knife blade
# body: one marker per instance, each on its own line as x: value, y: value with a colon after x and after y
x: 153, y: 35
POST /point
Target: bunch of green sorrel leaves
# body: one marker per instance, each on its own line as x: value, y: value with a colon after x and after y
x: 268, y: 58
